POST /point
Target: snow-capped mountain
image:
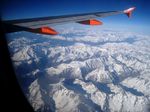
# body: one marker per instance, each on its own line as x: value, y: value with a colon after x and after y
x: 83, y: 70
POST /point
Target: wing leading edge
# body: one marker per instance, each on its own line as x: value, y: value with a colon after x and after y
x: 39, y: 25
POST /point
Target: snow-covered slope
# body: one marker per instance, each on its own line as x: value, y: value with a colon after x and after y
x: 85, y: 71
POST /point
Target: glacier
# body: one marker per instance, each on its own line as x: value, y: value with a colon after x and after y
x: 83, y: 69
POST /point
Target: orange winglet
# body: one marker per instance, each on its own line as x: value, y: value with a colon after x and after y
x: 91, y: 22
x: 129, y: 11
x: 45, y: 30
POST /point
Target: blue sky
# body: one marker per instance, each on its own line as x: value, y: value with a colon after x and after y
x: 140, y: 21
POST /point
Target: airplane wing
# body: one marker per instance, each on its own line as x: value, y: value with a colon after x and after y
x: 40, y: 25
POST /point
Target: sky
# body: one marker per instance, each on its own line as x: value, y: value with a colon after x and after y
x: 140, y: 21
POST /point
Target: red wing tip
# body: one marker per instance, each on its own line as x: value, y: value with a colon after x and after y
x: 129, y: 11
